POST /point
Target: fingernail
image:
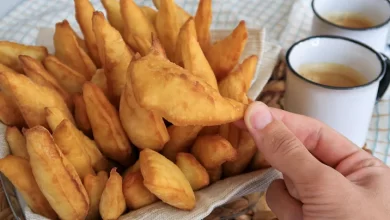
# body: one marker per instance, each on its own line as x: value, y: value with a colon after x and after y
x: 258, y: 116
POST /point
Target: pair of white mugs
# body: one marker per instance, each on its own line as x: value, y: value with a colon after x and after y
x: 349, y: 109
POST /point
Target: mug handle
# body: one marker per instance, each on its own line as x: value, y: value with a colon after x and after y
x: 385, y: 82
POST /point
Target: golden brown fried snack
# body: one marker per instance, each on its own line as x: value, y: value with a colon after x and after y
x: 181, y: 139
x: 94, y: 185
x: 209, y: 130
x: 84, y: 10
x: 25, y: 92
x: 38, y: 74
x: 55, y: 175
x: 182, y: 15
x: 150, y: 13
x: 213, y: 151
x: 258, y: 161
x: 4, y: 68
x: 112, y: 203
x: 16, y: 142
x: 54, y: 116
x: 135, y: 192
x: 165, y: 180
x: 106, y: 126
x: 167, y: 27
x: 9, y: 111
x: 215, y: 174
x: 195, y: 173
x: 224, y: 55
x: 100, y: 80
x: 67, y: 139
x: 203, y: 19
x: 144, y: 128
x: 18, y: 171
x: 187, y: 30
x: 134, y: 168
x: 80, y: 114
x: 10, y: 52
x: 114, y: 55
x: 178, y: 96
x: 194, y: 59
x: 114, y: 16
x: 234, y: 86
x: 70, y: 52
x: 248, y: 67
x: 71, y: 80
x: 246, y: 148
x: 135, y: 23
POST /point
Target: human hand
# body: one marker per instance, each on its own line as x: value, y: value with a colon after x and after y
x: 325, y: 175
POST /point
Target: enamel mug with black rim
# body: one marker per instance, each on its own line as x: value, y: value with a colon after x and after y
x: 377, y: 11
x: 348, y: 110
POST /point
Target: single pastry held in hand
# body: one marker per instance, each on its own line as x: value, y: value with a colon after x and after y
x: 179, y: 96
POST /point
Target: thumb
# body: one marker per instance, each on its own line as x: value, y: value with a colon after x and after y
x: 281, y: 148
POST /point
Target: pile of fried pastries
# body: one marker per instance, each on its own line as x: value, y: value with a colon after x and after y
x: 138, y: 110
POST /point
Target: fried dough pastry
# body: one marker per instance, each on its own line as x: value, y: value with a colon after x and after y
x: 80, y: 114
x: 187, y: 30
x: 195, y: 173
x: 54, y: 116
x: 70, y: 52
x: 248, y: 67
x: 135, y: 23
x: 16, y: 142
x: 224, y: 55
x: 178, y: 96
x: 67, y: 139
x: 94, y: 185
x: 84, y: 10
x: 215, y: 174
x: 25, y: 92
x: 112, y: 203
x: 114, y: 16
x: 213, y: 151
x: 4, y: 68
x: 71, y: 80
x: 144, y: 128
x: 100, y: 80
x: 106, y: 126
x: 203, y: 19
x: 194, y: 59
x: 246, y: 149
x: 38, y: 74
x: 182, y: 16
x: 165, y: 180
x: 134, y: 168
x: 10, y: 52
x: 150, y: 13
x: 114, y: 55
x: 135, y: 192
x: 9, y: 111
x: 18, y: 171
x: 168, y: 27
x: 181, y: 139
x: 55, y: 175
x: 258, y: 161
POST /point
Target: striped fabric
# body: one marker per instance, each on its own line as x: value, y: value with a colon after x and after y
x: 286, y: 21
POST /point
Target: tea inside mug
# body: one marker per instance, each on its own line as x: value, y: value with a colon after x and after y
x: 350, y: 19
x: 332, y: 74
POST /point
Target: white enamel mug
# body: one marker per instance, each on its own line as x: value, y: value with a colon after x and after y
x: 378, y: 11
x: 348, y: 110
